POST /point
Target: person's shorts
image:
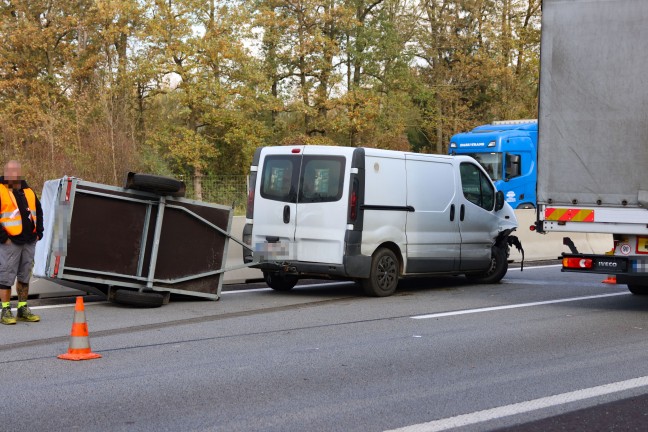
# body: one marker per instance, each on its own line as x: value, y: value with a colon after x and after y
x: 16, y: 261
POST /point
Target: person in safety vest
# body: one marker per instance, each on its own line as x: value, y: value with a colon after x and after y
x: 21, y: 226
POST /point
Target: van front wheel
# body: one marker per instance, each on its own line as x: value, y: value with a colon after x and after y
x: 279, y: 282
x: 497, y: 269
x: 383, y: 277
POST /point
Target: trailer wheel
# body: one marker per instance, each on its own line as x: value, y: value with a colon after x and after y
x: 383, y: 278
x: 157, y: 184
x: 138, y: 299
x: 280, y: 282
x: 638, y: 289
x: 496, y: 271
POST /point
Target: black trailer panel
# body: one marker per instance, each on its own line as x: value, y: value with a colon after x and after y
x: 114, y: 237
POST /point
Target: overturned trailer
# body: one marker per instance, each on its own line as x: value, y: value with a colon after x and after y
x: 137, y: 244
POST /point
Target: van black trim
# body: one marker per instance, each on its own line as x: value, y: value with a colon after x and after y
x: 387, y: 207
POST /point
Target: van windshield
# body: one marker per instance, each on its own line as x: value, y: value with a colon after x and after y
x: 492, y: 163
x: 307, y: 179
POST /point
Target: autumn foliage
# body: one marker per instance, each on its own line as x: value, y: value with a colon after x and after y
x: 95, y: 88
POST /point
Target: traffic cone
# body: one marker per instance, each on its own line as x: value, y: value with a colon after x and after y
x: 79, y: 342
x: 611, y: 279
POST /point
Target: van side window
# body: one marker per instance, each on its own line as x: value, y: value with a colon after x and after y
x: 322, y: 179
x: 278, y: 181
x: 476, y: 186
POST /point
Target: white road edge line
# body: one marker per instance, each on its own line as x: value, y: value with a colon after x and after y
x: 325, y: 284
x: 65, y: 305
x: 515, y: 306
x: 524, y: 407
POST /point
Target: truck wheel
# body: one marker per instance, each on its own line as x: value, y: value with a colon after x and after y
x: 157, y: 184
x: 138, y: 299
x: 496, y: 271
x: 280, y: 282
x: 638, y: 289
x: 384, y: 274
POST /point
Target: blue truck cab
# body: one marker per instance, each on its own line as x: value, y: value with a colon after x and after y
x: 508, y: 152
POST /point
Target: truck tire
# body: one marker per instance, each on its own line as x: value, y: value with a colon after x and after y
x: 384, y: 274
x: 157, y: 184
x: 638, y: 289
x: 138, y: 299
x: 496, y: 271
x: 279, y: 282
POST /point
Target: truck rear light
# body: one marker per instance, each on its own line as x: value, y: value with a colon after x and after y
x: 577, y: 263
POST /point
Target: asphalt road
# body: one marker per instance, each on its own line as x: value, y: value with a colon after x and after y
x: 543, y: 350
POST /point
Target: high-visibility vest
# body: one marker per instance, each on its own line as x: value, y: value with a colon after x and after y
x: 10, y: 218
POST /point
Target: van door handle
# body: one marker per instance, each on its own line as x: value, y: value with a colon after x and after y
x: 286, y: 214
x: 462, y: 212
x: 452, y: 212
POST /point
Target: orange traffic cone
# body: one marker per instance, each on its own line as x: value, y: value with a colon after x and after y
x: 79, y: 342
x: 611, y: 279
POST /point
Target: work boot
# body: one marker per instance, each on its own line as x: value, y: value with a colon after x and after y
x: 25, y: 314
x: 7, y: 317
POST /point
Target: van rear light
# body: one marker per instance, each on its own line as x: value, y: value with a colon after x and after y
x: 577, y: 263
x: 296, y: 150
x: 353, y: 202
x: 249, y: 211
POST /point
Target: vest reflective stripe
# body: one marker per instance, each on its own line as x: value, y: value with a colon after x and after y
x: 10, y: 218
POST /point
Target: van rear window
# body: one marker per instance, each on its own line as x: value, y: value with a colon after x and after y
x: 279, y: 179
x: 322, y: 179
x: 304, y: 179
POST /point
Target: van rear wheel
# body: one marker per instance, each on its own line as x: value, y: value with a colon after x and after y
x: 279, y: 282
x: 383, y: 277
x: 497, y: 269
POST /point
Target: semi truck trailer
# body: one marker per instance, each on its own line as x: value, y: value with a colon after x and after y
x: 593, y: 132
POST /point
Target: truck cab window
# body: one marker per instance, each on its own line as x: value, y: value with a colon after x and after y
x: 513, y: 166
x: 476, y: 187
x: 492, y: 163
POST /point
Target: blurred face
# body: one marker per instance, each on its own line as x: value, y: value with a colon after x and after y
x: 13, y: 174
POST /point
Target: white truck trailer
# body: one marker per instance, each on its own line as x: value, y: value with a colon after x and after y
x: 593, y: 132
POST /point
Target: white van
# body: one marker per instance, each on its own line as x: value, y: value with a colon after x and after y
x: 373, y: 216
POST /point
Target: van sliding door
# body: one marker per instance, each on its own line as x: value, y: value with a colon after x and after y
x: 433, y: 239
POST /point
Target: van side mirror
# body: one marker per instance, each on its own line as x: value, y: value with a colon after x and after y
x: 499, y: 200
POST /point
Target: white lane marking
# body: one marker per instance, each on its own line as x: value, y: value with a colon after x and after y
x: 524, y: 407
x: 515, y: 306
x: 65, y: 305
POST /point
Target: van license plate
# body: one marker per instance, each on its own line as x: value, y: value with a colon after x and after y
x: 272, y: 251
